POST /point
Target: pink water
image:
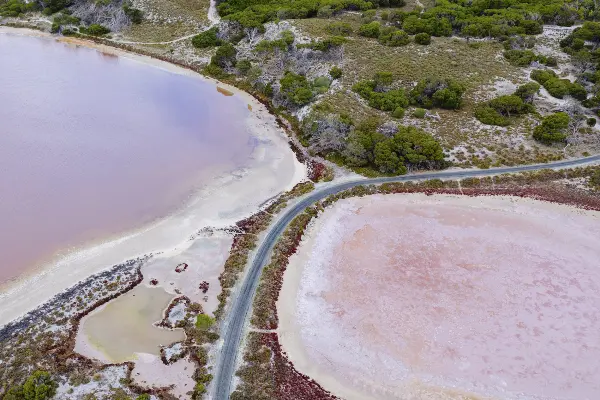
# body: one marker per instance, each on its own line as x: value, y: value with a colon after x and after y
x: 93, y: 145
x: 499, y: 300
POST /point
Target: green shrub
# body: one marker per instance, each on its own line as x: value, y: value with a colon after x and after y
x: 199, y: 390
x: 527, y: 91
x: 437, y: 93
x: 552, y: 129
x: 38, y: 386
x: 395, y: 38
x: 489, y: 116
x: 398, y: 112
x: 321, y: 84
x: 95, y: 30
x: 144, y: 396
x: 542, y: 76
x: 419, y: 113
x: 591, y: 121
x: 520, y: 58
x: 370, y: 30
x: 215, y: 71
x: 558, y: 88
x: 14, y: 8
x: 204, y: 322
x: 224, y: 56
x: 372, y: 91
x: 296, y: 88
x: 340, y: 28
x: 205, y: 39
x: 243, y: 66
x: 325, y: 12
x: 335, y: 72
x: 410, y: 147
x: 134, y: 14
x: 422, y: 38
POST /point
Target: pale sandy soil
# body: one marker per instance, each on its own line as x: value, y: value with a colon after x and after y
x: 205, y: 257
x: 150, y: 371
x: 220, y: 203
x: 447, y: 297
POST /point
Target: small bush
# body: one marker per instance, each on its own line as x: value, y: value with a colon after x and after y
x: 296, y: 88
x: 321, y: 84
x: 95, y: 30
x: 204, y: 322
x: 370, y: 30
x: 489, y: 116
x: 422, y: 38
x: 206, y: 39
x: 224, y: 56
x: 419, y: 113
x: 527, y: 91
x: 552, y: 129
x: 437, y: 93
x: 395, y: 38
x: 134, y: 14
x: 335, y: 72
x: 398, y: 112
x: 340, y: 28
x: 591, y: 122
x: 520, y: 58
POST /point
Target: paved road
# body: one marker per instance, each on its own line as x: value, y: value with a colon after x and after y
x: 233, y: 326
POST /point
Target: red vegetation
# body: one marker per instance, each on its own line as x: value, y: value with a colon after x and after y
x: 154, y: 282
x: 203, y: 286
x: 289, y: 383
x: 316, y: 170
x: 181, y: 267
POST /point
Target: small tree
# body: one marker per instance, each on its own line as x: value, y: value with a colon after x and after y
x: 552, y: 129
x: 527, y: 91
x: 225, y: 56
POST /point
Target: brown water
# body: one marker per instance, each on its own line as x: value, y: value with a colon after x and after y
x: 126, y: 325
x: 93, y: 145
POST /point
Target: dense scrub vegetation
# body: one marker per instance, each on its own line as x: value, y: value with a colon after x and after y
x: 395, y: 153
x: 14, y: 8
x: 441, y: 93
x: 208, y: 38
x: 552, y: 129
x: 557, y: 87
x: 38, y: 386
x: 499, y: 110
x: 479, y: 18
x: 582, y: 45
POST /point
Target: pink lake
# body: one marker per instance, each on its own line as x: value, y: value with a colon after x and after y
x: 449, y: 297
x: 93, y: 145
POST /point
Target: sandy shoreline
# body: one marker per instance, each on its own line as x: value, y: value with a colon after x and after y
x: 299, y: 290
x: 221, y: 202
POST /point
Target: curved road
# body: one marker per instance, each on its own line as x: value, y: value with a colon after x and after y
x: 239, y: 313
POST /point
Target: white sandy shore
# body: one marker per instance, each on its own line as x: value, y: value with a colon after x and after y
x: 311, y: 347
x: 220, y: 203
